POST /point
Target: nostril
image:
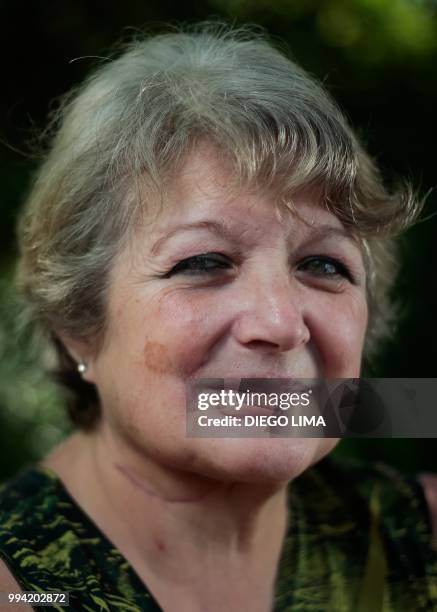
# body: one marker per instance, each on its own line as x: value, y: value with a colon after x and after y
x: 262, y: 345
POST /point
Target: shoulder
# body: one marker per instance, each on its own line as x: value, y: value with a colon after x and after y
x: 376, y: 493
x: 8, y: 584
x: 429, y: 484
x: 376, y: 507
x: 37, y: 537
x: 44, y: 542
x: 49, y: 544
x: 373, y: 520
x: 26, y: 501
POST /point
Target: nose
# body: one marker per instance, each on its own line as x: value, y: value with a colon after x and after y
x: 271, y: 315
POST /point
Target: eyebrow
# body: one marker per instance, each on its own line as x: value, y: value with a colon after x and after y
x: 331, y: 231
x: 221, y: 229
x: 217, y: 227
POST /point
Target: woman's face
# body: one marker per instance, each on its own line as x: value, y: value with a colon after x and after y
x: 216, y: 287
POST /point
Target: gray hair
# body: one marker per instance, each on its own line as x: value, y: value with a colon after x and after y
x: 130, y: 126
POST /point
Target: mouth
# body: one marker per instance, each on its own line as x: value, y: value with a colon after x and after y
x: 259, y: 383
x: 250, y: 395
x: 249, y: 410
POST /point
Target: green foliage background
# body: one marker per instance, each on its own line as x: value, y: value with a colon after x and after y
x: 377, y: 57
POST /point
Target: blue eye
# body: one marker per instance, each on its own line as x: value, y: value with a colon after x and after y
x: 207, y: 263
x: 326, y: 267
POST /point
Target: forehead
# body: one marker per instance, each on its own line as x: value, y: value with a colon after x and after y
x: 204, y: 187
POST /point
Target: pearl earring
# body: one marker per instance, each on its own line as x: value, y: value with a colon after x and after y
x: 82, y: 367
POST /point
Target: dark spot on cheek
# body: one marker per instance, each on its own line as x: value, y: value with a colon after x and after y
x: 158, y: 359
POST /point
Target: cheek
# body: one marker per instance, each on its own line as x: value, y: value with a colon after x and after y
x: 340, y: 330
x: 157, y: 358
x: 177, y: 333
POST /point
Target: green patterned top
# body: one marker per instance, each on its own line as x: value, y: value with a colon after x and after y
x: 359, y: 539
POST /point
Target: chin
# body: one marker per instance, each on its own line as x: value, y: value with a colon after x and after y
x: 263, y: 460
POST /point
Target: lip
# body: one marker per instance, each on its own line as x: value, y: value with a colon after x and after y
x: 259, y: 383
x: 247, y: 410
x: 250, y: 385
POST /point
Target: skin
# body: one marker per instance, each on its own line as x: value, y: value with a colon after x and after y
x: 173, y: 504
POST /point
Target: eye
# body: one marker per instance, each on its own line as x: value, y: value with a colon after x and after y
x: 206, y: 263
x: 326, y: 267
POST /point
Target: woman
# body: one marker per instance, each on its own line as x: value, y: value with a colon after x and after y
x: 205, y: 211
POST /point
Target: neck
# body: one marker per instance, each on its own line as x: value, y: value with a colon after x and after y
x: 166, y: 521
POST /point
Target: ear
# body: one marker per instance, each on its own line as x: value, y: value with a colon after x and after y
x: 81, y: 353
